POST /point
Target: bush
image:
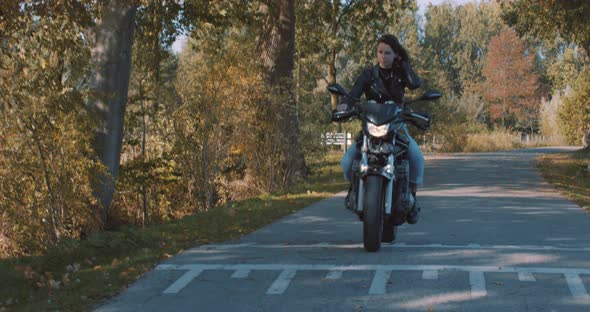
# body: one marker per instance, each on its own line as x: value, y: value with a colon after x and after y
x: 574, y: 114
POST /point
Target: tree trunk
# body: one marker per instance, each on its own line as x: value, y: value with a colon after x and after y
x: 332, y: 60
x: 110, y: 83
x: 54, y: 234
x: 205, y: 163
x: 143, y: 154
x: 277, y: 52
x: 277, y: 43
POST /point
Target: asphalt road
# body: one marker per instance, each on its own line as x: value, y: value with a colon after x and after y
x: 493, y: 236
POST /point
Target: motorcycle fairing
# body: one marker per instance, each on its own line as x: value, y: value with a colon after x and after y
x: 380, y: 114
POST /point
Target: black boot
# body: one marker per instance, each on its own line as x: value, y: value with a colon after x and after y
x: 413, y: 214
x: 348, y: 201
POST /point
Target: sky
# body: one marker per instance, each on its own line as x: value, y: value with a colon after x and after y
x: 422, y: 5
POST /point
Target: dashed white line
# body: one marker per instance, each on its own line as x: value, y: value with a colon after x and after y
x: 371, y: 267
x: 335, y: 274
x: 242, y: 273
x: 430, y: 274
x: 382, y: 275
x: 477, y: 281
x: 574, y: 282
x: 526, y: 277
x: 394, y: 246
x: 183, y: 281
x: 379, y: 282
x: 281, y: 283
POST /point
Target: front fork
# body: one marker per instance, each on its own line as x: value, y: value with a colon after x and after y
x: 388, y: 173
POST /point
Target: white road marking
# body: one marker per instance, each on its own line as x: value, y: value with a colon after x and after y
x: 335, y: 274
x: 526, y: 277
x: 394, y: 246
x: 477, y: 281
x: 430, y: 274
x: 183, y: 281
x: 371, y: 267
x: 574, y: 282
x: 281, y: 283
x: 382, y: 274
x: 243, y: 273
x: 379, y: 282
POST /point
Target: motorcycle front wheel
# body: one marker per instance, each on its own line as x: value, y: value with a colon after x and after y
x: 373, y: 213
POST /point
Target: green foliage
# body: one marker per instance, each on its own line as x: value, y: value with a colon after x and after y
x: 545, y: 18
x: 565, y: 69
x: 574, y: 115
x: 46, y: 155
x: 147, y: 182
x: 449, y: 121
x: 86, y: 272
x: 203, y: 128
x: 455, y: 44
x: 161, y: 183
x: 218, y: 124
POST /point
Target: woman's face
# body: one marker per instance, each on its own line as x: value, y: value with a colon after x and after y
x: 385, y: 55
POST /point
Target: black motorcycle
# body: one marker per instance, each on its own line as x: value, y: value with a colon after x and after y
x: 381, y: 194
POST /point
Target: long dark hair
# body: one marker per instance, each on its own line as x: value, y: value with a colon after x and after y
x: 393, y: 42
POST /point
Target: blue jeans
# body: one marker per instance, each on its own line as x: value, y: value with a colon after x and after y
x: 414, y: 156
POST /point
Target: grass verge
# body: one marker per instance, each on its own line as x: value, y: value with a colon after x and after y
x: 503, y: 140
x: 569, y: 173
x: 77, y: 275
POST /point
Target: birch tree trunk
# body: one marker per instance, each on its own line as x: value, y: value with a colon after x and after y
x: 112, y: 57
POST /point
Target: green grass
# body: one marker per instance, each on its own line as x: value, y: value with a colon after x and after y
x: 568, y: 172
x: 77, y: 275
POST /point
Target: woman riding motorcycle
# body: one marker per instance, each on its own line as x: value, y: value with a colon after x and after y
x: 386, y: 81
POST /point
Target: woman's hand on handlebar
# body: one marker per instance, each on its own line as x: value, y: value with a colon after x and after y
x: 342, y: 107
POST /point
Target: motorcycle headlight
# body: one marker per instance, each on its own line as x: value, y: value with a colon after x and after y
x: 377, y: 131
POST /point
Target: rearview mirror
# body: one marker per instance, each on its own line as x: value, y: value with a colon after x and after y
x: 430, y: 95
x: 337, y: 89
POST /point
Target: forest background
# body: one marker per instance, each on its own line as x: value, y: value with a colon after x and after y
x: 103, y: 125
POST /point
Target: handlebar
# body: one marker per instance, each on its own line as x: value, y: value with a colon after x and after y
x: 338, y: 116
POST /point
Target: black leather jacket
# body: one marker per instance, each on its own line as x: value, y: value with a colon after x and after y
x: 384, y: 85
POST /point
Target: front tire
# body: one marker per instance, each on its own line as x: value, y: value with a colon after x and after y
x: 373, y: 213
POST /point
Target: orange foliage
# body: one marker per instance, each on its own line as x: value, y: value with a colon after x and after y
x: 510, y: 79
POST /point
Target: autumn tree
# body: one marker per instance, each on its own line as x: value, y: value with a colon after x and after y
x: 510, y: 81
x: 46, y: 157
x: 218, y: 98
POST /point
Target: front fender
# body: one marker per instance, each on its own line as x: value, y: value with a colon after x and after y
x: 381, y: 171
